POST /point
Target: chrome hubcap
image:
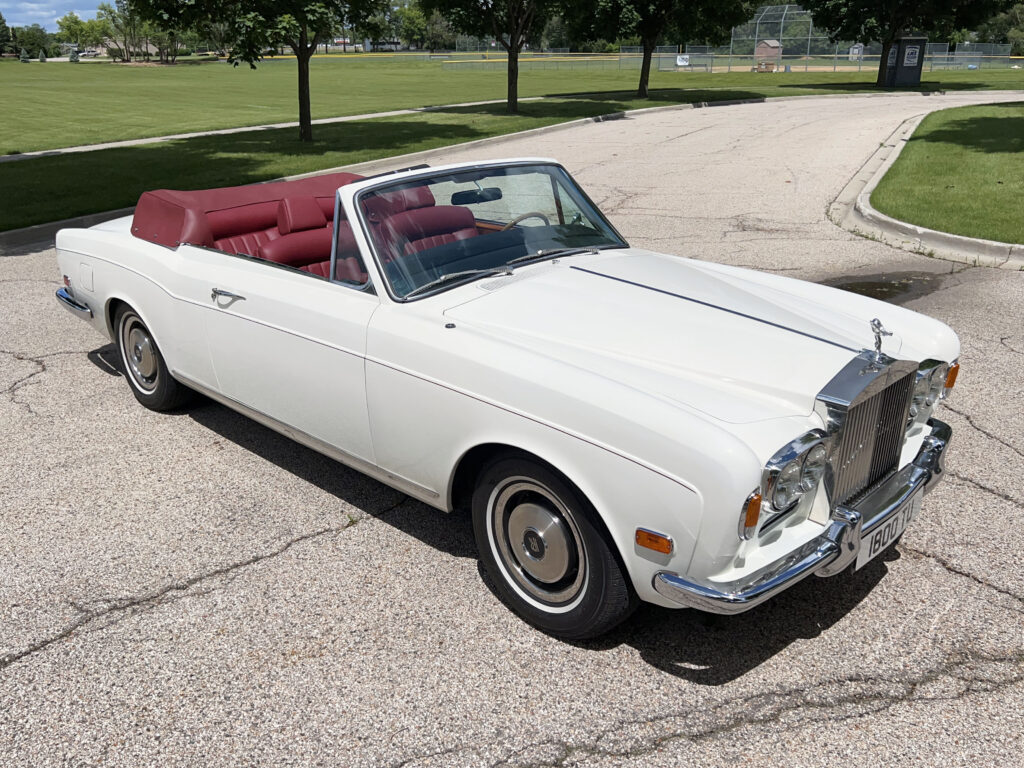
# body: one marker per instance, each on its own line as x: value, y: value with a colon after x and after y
x: 140, y: 355
x: 538, y: 543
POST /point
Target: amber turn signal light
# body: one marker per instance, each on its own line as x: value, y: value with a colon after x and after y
x: 954, y: 369
x: 659, y: 542
x: 753, y: 511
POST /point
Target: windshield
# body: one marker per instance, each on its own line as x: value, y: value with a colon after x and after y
x: 435, y: 233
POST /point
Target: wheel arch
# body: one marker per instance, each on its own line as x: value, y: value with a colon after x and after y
x: 473, y: 461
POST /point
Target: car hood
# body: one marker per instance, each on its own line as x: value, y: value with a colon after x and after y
x: 695, y: 334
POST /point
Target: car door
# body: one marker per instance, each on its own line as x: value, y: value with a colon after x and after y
x: 290, y: 346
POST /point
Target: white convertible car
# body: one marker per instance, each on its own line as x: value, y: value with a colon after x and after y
x: 622, y: 425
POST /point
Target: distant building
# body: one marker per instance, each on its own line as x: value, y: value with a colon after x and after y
x: 768, y: 50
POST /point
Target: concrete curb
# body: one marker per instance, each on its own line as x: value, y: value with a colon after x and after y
x: 852, y: 210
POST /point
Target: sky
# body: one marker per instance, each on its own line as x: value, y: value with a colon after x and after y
x: 24, y: 13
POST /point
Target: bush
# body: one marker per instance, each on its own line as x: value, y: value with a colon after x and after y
x: 42, y: 55
x: 73, y: 56
x: 24, y: 55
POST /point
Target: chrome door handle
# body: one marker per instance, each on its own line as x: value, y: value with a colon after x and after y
x: 217, y: 292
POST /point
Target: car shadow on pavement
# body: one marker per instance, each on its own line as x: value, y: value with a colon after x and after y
x: 702, y: 648
x: 708, y: 649
x: 448, y: 533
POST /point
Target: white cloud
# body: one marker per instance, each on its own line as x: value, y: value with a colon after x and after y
x: 46, y: 12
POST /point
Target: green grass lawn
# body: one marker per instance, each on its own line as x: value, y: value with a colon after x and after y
x: 962, y: 172
x: 57, y: 104
x: 60, y: 186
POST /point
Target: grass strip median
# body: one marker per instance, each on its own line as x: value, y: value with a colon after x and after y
x: 54, y: 105
x: 961, y: 172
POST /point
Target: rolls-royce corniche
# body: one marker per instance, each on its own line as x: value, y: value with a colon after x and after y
x: 621, y: 425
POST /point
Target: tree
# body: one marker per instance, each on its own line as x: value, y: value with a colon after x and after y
x: 42, y: 55
x: 23, y: 58
x: 33, y: 38
x: 411, y: 24
x: 510, y: 22
x: 94, y: 32
x: 652, y: 20
x: 438, y: 33
x: 888, y: 20
x: 258, y: 25
x: 73, y: 56
x: 1005, y: 27
x: 125, y: 24
x: 5, y: 36
x: 70, y: 28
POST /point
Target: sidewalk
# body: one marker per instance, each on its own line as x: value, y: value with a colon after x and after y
x: 244, y: 129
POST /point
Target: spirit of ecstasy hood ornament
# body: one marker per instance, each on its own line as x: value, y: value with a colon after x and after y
x: 879, y: 330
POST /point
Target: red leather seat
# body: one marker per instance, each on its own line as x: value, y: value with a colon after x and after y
x: 305, y: 242
x: 424, y: 228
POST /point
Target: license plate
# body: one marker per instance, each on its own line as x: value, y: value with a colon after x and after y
x: 887, y: 531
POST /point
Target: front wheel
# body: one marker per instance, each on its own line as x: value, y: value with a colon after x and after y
x: 143, y: 364
x: 547, y: 552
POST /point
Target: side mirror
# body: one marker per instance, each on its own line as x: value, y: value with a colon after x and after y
x: 474, y: 196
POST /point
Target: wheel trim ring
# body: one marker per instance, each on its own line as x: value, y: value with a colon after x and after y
x: 133, y: 333
x: 560, y: 601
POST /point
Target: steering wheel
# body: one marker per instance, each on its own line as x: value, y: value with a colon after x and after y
x: 527, y: 215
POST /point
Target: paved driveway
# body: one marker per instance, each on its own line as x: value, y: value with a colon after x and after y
x: 192, y: 589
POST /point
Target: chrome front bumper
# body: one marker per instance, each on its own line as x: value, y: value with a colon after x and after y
x: 827, y: 555
x: 72, y: 305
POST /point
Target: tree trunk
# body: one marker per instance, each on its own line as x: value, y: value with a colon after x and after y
x: 512, y: 102
x: 883, y: 63
x: 645, y: 68
x: 303, y: 53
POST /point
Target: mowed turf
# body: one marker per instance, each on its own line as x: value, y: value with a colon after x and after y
x: 962, y: 172
x: 58, y: 104
x: 56, y: 187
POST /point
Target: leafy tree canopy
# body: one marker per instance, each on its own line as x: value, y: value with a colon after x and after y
x: 887, y: 20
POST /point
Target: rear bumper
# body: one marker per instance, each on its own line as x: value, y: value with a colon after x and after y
x: 827, y: 555
x: 72, y: 305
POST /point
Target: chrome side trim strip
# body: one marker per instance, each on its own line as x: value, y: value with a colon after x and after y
x: 77, y: 308
x: 415, y: 490
x: 828, y: 554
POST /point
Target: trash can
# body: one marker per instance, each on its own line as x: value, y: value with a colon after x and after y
x: 906, y: 61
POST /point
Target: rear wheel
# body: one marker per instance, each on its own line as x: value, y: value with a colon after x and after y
x: 547, y: 552
x: 143, y: 364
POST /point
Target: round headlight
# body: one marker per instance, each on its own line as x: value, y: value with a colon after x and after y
x: 787, y: 485
x: 814, y: 467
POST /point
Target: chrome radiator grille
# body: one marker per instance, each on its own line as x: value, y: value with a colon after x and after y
x: 871, y: 440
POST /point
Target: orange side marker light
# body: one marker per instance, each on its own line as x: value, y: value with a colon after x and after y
x: 954, y: 369
x: 659, y: 542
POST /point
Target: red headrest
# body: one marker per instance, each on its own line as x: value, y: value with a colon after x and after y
x: 296, y: 214
x: 384, y: 204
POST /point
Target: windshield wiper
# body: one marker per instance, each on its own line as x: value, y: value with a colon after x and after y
x: 549, y: 253
x: 467, y: 273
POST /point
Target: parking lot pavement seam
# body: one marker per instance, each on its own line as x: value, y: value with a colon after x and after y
x: 948, y: 566
x: 771, y: 707
x: 113, y: 607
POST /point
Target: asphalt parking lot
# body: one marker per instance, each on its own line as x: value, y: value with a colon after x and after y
x: 193, y: 589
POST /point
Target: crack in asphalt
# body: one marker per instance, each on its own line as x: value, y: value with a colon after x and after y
x: 27, y: 380
x: 123, y: 606
x: 1002, y: 340
x: 771, y: 707
x: 948, y: 566
x: 983, y: 487
x: 985, y: 432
